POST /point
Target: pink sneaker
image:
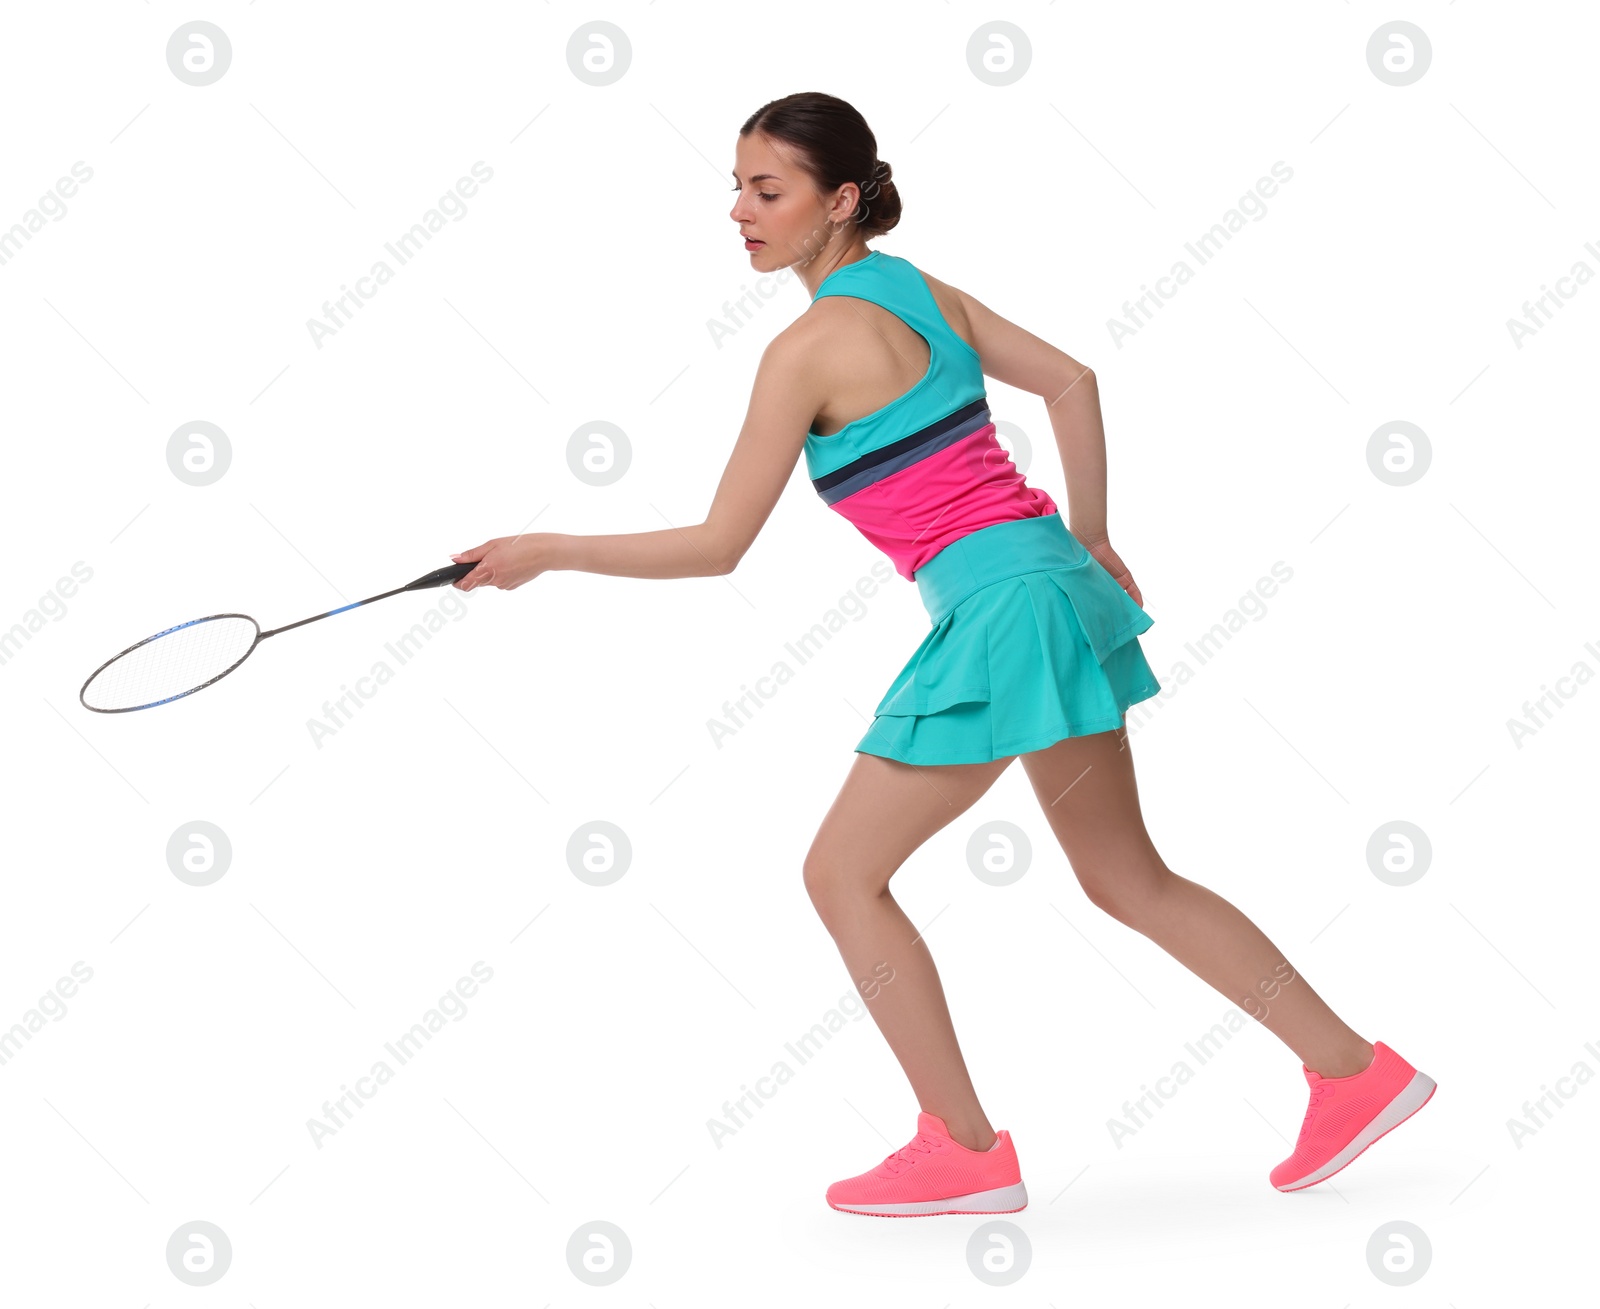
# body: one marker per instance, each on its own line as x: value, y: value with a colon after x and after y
x: 1347, y: 1114
x: 935, y: 1175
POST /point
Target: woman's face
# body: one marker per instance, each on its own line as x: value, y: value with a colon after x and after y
x: 778, y: 205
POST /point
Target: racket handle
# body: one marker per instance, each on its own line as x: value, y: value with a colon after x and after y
x: 440, y: 577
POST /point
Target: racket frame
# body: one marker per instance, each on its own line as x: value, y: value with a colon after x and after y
x: 439, y: 577
x: 128, y: 709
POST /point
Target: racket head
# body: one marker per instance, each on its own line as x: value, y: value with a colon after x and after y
x: 171, y: 664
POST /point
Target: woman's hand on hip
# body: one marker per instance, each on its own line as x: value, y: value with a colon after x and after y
x: 506, y: 561
x: 1112, y: 563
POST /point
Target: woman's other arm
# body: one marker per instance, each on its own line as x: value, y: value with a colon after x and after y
x: 1017, y: 357
x: 783, y: 401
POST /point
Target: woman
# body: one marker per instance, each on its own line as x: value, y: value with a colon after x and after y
x: 1033, y: 650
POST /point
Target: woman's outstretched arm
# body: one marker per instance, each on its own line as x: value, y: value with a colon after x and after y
x: 783, y: 401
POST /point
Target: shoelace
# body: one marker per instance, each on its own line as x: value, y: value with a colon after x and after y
x: 901, y: 1158
x: 1319, y: 1093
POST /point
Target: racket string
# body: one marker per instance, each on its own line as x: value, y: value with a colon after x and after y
x: 178, y: 660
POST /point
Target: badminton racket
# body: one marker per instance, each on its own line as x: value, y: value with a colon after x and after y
x: 194, y: 655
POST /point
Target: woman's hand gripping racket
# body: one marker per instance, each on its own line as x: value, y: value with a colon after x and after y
x: 193, y: 655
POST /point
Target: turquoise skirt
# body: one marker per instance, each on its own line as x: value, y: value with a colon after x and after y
x: 1032, y: 641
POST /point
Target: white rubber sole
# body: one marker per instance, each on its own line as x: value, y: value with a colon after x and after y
x: 1416, y: 1094
x: 1001, y: 1200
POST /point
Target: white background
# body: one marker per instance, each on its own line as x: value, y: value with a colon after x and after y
x: 369, y: 873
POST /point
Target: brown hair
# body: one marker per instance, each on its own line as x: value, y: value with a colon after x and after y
x: 835, y: 146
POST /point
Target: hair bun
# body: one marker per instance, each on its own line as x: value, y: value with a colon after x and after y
x: 881, y: 199
x: 833, y: 144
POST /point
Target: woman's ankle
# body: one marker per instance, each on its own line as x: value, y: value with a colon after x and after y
x: 1348, y: 1062
x: 972, y: 1136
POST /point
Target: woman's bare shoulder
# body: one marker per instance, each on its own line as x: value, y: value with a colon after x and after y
x: 829, y: 329
x: 954, y: 304
x: 830, y: 324
x: 1008, y: 353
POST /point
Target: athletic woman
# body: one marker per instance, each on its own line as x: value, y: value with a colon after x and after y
x: 1032, y: 652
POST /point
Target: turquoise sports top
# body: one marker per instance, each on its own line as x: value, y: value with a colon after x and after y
x: 926, y: 469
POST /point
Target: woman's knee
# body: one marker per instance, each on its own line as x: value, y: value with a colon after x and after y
x: 1124, y: 888
x: 816, y: 873
x: 833, y: 881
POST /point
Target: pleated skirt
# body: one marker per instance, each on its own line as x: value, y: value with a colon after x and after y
x: 1031, y: 641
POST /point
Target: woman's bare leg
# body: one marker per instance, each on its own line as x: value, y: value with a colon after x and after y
x: 884, y: 811
x: 1085, y: 784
